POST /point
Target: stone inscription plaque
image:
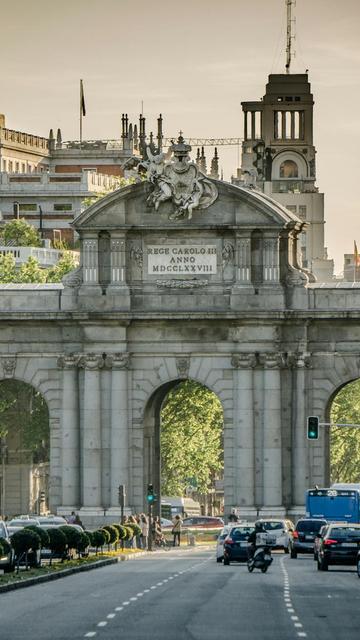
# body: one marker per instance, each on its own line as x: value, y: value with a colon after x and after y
x: 182, y: 259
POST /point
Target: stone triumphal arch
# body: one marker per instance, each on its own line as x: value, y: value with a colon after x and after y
x: 181, y: 277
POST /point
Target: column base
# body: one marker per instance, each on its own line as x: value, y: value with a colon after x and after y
x: 92, y: 511
x: 115, y: 512
x: 297, y: 511
x: 66, y: 511
x: 247, y: 513
x: 272, y: 512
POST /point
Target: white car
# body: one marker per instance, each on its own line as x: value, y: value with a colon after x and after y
x: 282, y: 530
x: 220, y: 541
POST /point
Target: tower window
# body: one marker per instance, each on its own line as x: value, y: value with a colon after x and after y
x: 289, y: 169
x: 297, y: 98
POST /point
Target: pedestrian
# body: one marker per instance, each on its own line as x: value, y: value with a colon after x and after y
x: 71, y: 518
x: 144, y: 524
x: 176, y: 530
x: 78, y: 521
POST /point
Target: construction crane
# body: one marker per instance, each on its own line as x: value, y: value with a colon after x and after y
x: 205, y: 142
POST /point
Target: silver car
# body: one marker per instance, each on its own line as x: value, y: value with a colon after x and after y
x: 220, y: 541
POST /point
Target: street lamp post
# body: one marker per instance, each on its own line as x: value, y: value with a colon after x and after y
x: 3, y: 448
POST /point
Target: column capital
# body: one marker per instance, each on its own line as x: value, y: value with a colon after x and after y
x: 117, y: 360
x: 244, y: 360
x: 91, y: 361
x: 68, y: 361
x: 9, y: 366
x: 298, y: 360
x: 272, y: 360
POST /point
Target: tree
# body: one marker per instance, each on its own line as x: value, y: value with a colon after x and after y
x: 24, y: 413
x: 65, y: 264
x: 191, y: 438
x: 30, y: 271
x: 21, y: 233
x: 344, y: 441
x: 7, y: 268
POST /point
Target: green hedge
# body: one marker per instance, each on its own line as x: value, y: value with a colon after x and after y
x: 42, y: 533
x: 24, y: 541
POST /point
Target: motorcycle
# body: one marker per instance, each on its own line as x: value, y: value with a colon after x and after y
x: 260, y: 560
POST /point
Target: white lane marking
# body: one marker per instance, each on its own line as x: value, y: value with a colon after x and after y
x: 140, y: 594
x: 146, y: 590
x: 91, y: 634
x: 133, y: 599
x: 103, y: 623
x: 125, y: 603
x: 159, y: 584
x: 119, y: 608
x: 287, y: 601
x: 111, y: 615
x: 153, y: 587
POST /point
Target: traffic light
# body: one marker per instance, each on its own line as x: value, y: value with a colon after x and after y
x: 151, y: 497
x: 312, y: 428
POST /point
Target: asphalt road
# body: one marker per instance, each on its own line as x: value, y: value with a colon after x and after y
x: 185, y: 595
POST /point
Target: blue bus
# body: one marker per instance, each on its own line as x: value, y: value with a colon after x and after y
x: 339, y: 503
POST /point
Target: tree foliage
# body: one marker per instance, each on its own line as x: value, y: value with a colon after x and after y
x: 191, y: 438
x: 24, y: 416
x: 345, y: 442
x: 21, y: 233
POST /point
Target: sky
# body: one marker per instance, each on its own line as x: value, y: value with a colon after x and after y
x: 194, y: 61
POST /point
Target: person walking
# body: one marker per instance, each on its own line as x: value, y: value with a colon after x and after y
x: 176, y: 530
x: 144, y: 524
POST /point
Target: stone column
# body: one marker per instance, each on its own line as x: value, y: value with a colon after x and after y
x: 70, y: 434
x: 300, y: 465
x: 91, y: 478
x: 244, y: 446
x: 118, y: 260
x: 272, y: 446
x: 243, y: 259
x: 119, y: 439
x: 90, y: 261
x: 271, y: 272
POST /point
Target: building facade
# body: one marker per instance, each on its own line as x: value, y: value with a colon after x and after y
x: 183, y: 276
x: 279, y: 157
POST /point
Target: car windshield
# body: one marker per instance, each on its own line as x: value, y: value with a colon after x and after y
x: 310, y: 526
x: 273, y: 526
x: 344, y: 533
x: 241, y: 533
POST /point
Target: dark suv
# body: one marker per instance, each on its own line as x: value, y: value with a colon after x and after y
x: 304, y: 535
x: 339, y: 544
x: 236, y: 543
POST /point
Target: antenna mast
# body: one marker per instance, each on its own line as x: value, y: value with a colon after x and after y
x: 289, y: 34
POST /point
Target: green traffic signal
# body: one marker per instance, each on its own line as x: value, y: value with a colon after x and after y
x: 151, y: 497
x: 313, y: 428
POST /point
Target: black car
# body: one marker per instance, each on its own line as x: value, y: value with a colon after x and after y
x: 236, y: 543
x: 304, y: 535
x: 340, y: 544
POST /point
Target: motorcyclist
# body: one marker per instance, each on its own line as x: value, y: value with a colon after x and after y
x: 259, y: 528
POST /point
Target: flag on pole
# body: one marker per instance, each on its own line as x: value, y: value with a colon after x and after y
x: 82, y: 99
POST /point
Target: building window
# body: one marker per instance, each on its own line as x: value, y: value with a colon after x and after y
x: 4, y: 165
x: 302, y: 210
x: 23, y: 168
x: 289, y: 169
x: 62, y: 207
x: 27, y: 207
x: 291, y: 207
x: 17, y: 167
x: 10, y: 166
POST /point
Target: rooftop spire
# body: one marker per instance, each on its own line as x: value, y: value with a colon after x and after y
x: 289, y: 33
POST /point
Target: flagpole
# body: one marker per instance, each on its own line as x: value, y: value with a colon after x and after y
x: 80, y: 104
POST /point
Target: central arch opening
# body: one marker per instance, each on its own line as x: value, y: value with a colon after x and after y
x: 184, y: 448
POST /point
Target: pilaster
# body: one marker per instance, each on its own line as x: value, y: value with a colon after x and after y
x: 70, y: 433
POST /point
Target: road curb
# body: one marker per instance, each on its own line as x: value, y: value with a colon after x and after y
x: 29, y: 582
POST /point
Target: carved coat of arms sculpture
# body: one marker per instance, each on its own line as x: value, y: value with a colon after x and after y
x: 179, y: 180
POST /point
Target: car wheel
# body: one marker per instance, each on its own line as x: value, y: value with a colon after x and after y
x: 219, y: 559
x: 250, y: 567
x: 293, y: 554
x: 358, y: 568
x: 315, y: 557
x: 286, y: 549
x: 322, y: 565
x: 226, y: 561
x: 264, y: 569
